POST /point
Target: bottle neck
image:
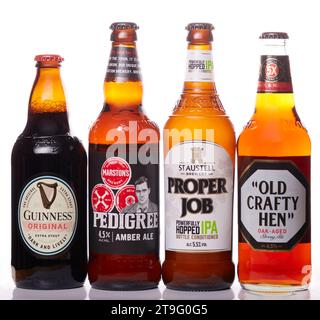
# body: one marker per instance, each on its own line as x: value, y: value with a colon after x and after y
x: 199, y: 78
x: 275, y: 90
x: 123, y: 86
x: 47, y: 114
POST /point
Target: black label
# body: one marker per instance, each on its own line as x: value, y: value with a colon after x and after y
x: 123, y: 65
x: 124, y: 193
x: 275, y: 75
x: 274, y: 203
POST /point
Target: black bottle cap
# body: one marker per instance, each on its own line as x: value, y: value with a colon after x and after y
x: 124, y: 26
x: 274, y: 35
x: 199, y: 26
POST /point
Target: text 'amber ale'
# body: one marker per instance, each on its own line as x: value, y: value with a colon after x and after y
x: 49, y: 182
x: 124, y: 177
x: 274, y: 182
x: 199, y: 150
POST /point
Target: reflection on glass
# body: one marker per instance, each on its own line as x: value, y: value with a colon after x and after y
x: 69, y: 294
x: 153, y: 294
x: 169, y: 294
x: 250, y: 295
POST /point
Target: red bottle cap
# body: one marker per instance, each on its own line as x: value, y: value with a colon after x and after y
x: 48, y: 58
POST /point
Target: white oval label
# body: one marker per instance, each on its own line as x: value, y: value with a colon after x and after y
x: 47, y: 215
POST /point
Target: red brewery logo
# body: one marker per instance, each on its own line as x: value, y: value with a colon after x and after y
x: 272, y: 70
x: 115, y: 172
x: 102, y: 198
x: 126, y: 197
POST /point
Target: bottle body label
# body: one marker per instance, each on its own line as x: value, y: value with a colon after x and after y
x: 198, y: 197
x: 274, y: 204
x: 124, y: 210
x: 47, y: 215
x: 199, y: 66
x: 275, y: 76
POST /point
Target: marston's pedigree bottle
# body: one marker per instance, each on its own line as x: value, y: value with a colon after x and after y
x: 199, y: 150
x: 124, y: 177
x: 49, y: 190
x: 274, y: 182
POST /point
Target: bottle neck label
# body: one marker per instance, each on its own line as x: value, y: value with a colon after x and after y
x: 199, y: 66
x: 123, y: 65
x: 275, y: 76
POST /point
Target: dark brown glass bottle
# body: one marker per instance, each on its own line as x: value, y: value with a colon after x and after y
x: 49, y: 242
x: 124, y: 177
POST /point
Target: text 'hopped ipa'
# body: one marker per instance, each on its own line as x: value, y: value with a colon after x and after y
x: 124, y: 177
x: 274, y: 182
x: 199, y: 150
x: 49, y: 182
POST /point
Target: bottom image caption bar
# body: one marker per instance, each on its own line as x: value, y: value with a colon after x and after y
x: 205, y: 309
x: 159, y: 309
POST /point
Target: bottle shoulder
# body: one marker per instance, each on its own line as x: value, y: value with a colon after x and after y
x: 55, y: 145
x: 216, y: 129
x: 199, y: 121
x: 122, y: 125
x: 195, y: 104
x: 282, y: 137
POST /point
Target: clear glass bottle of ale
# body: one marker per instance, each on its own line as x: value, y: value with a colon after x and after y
x: 274, y: 182
x: 124, y: 177
x: 49, y: 190
x: 199, y: 150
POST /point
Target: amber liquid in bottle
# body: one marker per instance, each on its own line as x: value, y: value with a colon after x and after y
x: 197, y: 131
x: 126, y: 265
x: 275, y: 251
x: 49, y: 182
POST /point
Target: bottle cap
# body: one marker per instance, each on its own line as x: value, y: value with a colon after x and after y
x: 274, y: 35
x: 48, y: 58
x: 199, y: 26
x: 124, y: 26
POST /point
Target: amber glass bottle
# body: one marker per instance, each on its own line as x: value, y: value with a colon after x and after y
x: 274, y: 182
x: 124, y: 177
x: 199, y: 150
x: 49, y: 188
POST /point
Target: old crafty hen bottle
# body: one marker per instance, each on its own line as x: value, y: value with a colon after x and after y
x: 274, y: 182
x: 124, y: 177
x: 199, y: 150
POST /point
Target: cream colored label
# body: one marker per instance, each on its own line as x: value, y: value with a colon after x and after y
x: 198, y: 197
x: 47, y: 215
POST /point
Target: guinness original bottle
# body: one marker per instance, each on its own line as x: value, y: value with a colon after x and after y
x: 49, y: 249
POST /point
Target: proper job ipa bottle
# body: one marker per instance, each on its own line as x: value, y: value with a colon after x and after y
x: 274, y: 182
x: 124, y: 177
x: 49, y: 182
x: 199, y: 150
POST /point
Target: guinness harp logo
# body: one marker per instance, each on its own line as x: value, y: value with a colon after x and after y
x: 48, y: 193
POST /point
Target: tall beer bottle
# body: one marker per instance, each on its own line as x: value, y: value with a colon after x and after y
x: 49, y: 182
x: 124, y: 177
x: 274, y: 182
x: 199, y: 150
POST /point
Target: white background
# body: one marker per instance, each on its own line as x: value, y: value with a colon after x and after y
x: 79, y: 31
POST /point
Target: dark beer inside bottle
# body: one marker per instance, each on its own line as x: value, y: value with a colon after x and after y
x: 46, y: 148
